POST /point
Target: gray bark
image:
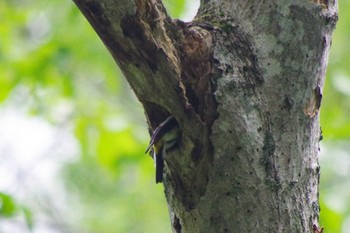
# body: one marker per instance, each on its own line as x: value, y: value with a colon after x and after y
x: 244, y: 81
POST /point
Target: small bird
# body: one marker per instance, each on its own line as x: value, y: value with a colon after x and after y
x: 164, y: 137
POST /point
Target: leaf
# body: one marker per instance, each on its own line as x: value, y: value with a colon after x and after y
x: 175, y: 8
x: 8, y: 206
x: 28, y: 217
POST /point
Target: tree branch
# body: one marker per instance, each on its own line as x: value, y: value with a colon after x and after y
x: 168, y: 65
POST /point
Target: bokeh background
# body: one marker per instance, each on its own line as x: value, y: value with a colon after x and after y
x: 73, y: 135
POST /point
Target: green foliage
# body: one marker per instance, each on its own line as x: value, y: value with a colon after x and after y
x: 335, y: 112
x: 8, y: 206
x: 330, y: 220
x: 126, y: 201
x: 336, y: 104
x: 175, y: 8
x: 53, y: 58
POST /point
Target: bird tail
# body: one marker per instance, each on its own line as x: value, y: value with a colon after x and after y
x: 159, y: 167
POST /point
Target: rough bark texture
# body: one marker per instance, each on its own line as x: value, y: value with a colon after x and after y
x: 244, y: 81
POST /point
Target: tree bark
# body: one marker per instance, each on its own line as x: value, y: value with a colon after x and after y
x: 244, y: 81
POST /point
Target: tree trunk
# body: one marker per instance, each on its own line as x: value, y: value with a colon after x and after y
x: 244, y: 81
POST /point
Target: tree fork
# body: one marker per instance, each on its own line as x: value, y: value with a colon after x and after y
x: 244, y: 81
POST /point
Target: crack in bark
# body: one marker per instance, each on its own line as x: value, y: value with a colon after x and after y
x: 176, y: 224
x: 267, y: 159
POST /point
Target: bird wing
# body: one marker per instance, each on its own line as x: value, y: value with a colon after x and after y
x: 159, y: 132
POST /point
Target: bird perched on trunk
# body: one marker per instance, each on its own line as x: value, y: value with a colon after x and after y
x: 164, y: 137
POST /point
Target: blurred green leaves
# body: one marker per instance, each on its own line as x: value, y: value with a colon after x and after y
x: 335, y: 122
x: 330, y: 220
x: 49, y: 50
x: 175, y: 8
x: 336, y: 105
x: 8, y: 206
x: 68, y: 76
x: 125, y: 202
